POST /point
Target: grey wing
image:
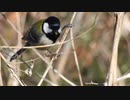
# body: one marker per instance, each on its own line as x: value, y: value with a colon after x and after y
x: 30, y: 36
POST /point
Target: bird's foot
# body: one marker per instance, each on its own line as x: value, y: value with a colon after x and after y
x: 53, y: 55
x: 67, y: 26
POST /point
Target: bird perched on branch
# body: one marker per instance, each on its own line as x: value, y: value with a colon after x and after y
x: 43, y: 32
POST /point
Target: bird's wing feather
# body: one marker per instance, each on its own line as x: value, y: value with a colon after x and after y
x: 34, y: 32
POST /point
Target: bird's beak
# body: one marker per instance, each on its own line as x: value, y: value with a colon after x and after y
x: 56, y: 32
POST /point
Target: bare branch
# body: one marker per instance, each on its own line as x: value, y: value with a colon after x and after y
x: 12, y: 71
x: 113, y: 66
x: 75, y: 55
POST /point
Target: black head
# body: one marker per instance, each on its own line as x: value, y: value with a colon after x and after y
x: 51, y: 24
x: 51, y: 27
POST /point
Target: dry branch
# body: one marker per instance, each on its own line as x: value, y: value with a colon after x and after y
x: 113, y: 66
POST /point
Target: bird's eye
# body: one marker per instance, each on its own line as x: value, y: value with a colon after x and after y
x: 55, y: 25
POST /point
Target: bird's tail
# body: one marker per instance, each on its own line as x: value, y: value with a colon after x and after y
x: 18, y: 52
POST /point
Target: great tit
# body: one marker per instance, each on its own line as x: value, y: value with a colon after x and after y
x: 43, y: 32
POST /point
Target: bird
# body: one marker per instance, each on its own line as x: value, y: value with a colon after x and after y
x: 43, y: 32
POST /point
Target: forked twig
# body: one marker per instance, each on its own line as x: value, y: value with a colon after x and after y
x: 12, y: 71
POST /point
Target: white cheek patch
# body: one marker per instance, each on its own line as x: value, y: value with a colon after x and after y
x: 46, y: 28
x: 60, y: 30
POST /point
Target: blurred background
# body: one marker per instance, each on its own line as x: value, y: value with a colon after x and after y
x: 93, y: 48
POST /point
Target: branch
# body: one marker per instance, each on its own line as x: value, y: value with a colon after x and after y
x: 113, y: 66
x: 12, y: 71
x: 75, y: 55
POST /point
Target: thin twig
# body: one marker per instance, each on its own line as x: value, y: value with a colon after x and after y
x: 48, y: 68
x: 4, y: 41
x: 46, y: 80
x: 113, y: 65
x: 61, y: 63
x: 124, y: 77
x: 51, y: 83
x: 93, y: 83
x: 1, y: 80
x: 75, y: 55
x: 46, y: 71
x: 65, y: 79
x: 31, y: 60
x: 10, y: 23
x: 12, y: 71
x: 25, y: 62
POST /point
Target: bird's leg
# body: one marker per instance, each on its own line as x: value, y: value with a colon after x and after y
x: 53, y: 54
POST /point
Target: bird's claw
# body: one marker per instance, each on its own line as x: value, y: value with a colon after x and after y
x: 67, y: 26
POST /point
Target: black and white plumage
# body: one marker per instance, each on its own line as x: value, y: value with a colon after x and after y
x: 43, y: 32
